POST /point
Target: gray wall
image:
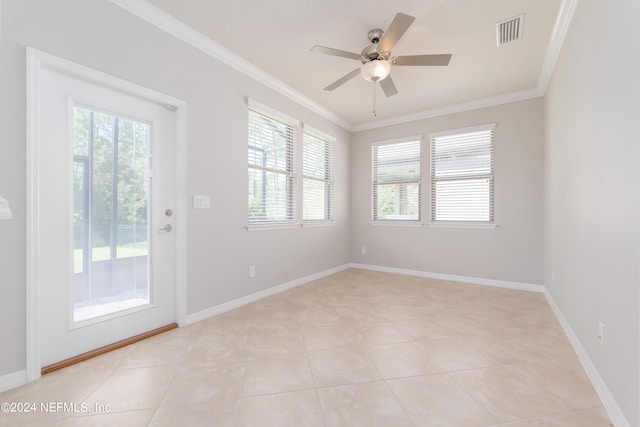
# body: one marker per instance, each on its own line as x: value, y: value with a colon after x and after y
x: 512, y: 252
x: 220, y: 250
x: 592, y: 189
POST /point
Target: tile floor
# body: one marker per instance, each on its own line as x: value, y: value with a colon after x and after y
x: 357, y: 348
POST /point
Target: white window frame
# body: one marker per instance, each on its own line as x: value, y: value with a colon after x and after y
x: 327, y: 180
x: 395, y: 221
x: 490, y: 176
x: 291, y: 222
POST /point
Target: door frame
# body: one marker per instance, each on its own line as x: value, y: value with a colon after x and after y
x: 36, y: 61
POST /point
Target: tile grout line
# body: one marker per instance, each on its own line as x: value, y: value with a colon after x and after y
x: 468, y: 393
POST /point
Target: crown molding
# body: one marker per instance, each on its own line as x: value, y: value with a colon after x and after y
x: 171, y: 25
x: 166, y: 22
x: 565, y: 15
x: 450, y: 109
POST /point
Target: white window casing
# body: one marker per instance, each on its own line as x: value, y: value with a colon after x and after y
x: 462, y: 177
x: 317, y: 177
x: 290, y: 170
x: 271, y: 169
x: 396, y: 181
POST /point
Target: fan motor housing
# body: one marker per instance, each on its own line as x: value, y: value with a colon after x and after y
x: 370, y: 53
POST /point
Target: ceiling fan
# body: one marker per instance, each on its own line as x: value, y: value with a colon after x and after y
x: 376, y: 58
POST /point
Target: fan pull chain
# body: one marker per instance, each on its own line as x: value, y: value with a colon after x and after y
x: 374, y: 98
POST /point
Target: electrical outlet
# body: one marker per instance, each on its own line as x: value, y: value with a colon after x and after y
x: 363, y: 250
x: 252, y: 271
x: 601, y: 333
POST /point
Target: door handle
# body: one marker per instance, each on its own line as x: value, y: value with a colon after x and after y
x: 167, y: 228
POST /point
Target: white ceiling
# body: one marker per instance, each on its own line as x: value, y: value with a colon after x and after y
x: 276, y: 35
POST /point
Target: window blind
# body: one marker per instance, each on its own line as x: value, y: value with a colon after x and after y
x: 462, y: 177
x: 317, y: 171
x: 396, y: 181
x: 271, y: 169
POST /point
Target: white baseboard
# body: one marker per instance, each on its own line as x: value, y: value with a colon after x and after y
x: 614, y: 411
x: 13, y: 380
x: 610, y: 404
x: 239, y: 302
x: 465, y: 279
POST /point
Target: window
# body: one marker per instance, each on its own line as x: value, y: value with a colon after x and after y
x: 462, y: 176
x: 111, y: 197
x: 396, y: 180
x: 317, y: 172
x: 271, y: 170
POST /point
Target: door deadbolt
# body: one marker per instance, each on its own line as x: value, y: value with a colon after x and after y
x: 168, y: 212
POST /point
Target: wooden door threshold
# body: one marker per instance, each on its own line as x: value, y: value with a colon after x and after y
x: 107, y: 348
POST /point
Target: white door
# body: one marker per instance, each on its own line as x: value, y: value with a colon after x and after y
x: 105, y: 197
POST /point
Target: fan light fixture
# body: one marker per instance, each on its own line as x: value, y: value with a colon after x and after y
x: 375, y: 70
x: 376, y: 58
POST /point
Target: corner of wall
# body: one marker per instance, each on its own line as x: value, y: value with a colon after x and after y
x: 609, y: 402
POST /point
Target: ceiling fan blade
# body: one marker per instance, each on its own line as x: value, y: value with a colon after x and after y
x: 388, y: 87
x: 343, y: 80
x: 422, y: 60
x: 335, y: 52
x: 398, y: 26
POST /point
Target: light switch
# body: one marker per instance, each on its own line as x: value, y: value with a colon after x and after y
x: 201, y: 202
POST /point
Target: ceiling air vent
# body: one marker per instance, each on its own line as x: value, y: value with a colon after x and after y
x: 509, y: 30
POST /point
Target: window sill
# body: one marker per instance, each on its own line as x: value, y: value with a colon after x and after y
x: 313, y: 224
x: 489, y: 226
x: 393, y: 223
x: 272, y: 226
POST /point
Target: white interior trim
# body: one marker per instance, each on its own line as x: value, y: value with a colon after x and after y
x: 32, y: 232
x: 454, y: 278
x: 182, y: 208
x: 37, y: 60
x: 317, y: 133
x: 272, y: 113
x: 171, y: 25
x: 614, y: 411
x: 268, y: 226
x: 565, y: 15
x: 395, y: 223
x: 239, y: 302
x: 13, y: 380
x: 166, y: 22
x: 318, y: 223
x: 412, y: 138
x: 610, y: 404
x: 469, y: 129
x: 463, y: 224
x: 451, y: 109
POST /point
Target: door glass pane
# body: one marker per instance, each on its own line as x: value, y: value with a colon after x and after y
x: 111, y: 203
